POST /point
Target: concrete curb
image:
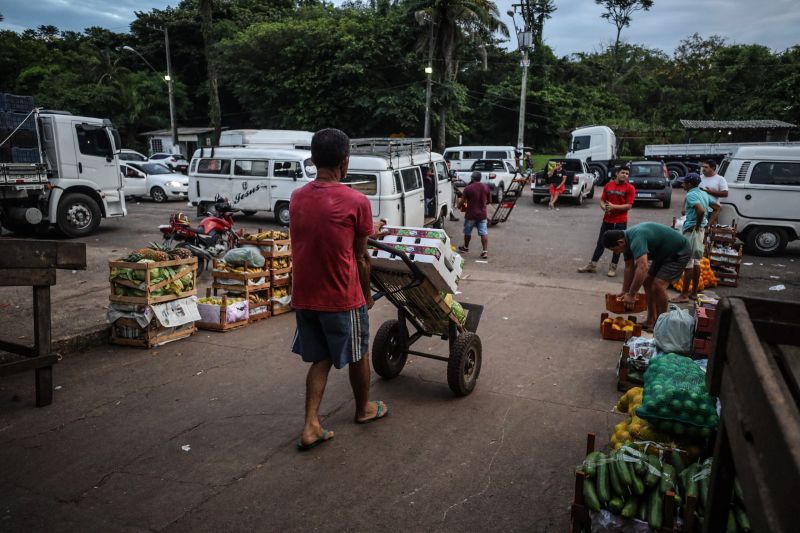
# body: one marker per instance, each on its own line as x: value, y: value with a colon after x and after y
x: 78, y: 342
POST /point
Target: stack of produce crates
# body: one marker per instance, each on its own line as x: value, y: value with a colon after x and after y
x: 705, y: 314
x: 276, y: 247
x: 148, y: 278
x: 252, y: 284
x: 619, y: 328
x: 725, y: 253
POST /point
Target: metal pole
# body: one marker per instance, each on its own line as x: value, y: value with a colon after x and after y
x: 522, y: 94
x: 172, y: 122
x: 427, y: 133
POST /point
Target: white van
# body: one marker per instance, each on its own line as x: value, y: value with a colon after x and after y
x: 763, y: 196
x: 462, y: 157
x: 390, y: 172
x: 297, y: 139
x: 252, y: 179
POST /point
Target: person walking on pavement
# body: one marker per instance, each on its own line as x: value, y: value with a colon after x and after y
x: 669, y: 252
x: 474, y: 199
x: 616, y: 200
x: 558, y: 179
x: 330, y: 224
x: 697, y: 208
x: 456, y: 194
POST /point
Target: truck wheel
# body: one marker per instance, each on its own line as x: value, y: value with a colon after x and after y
x: 282, y: 213
x: 78, y: 215
x: 388, y: 357
x: 600, y: 172
x: 579, y: 198
x: 498, y: 194
x: 766, y: 241
x: 591, y: 192
x: 158, y: 195
x: 676, y: 170
x: 665, y: 203
x: 464, y: 364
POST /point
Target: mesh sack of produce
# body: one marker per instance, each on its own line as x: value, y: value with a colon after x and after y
x: 674, y: 331
x: 675, y: 397
x: 246, y: 254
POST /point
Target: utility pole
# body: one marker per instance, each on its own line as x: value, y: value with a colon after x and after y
x: 429, y: 72
x: 524, y: 41
x: 169, y: 80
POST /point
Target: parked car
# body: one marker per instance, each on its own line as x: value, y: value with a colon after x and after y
x: 494, y: 172
x: 579, y: 184
x: 131, y: 155
x: 172, y: 161
x: 651, y: 181
x: 153, y: 180
x: 763, y: 195
x: 461, y: 158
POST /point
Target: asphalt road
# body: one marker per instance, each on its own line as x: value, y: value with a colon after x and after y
x: 198, y: 435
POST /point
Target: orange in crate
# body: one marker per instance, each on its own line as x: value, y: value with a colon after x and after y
x: 615, y: 304
x: 619, y: 329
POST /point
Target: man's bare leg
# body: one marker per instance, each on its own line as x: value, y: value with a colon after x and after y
x: 316, y: 380
x: 659, y: 295
x: 359, y: 381
x: 651, y: 304
x: 688, y: 276
x: 485, y: 242
x: 695, y: 282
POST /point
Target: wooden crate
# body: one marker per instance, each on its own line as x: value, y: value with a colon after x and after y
x: 150, y: 336
x: 222, y: 324
x: 270, y: 247
x: 611, y: 334
x: 278, y: 309
x: 580, y: 517
x: 148, y: 298
x: 245, y: 280
x: 613, y: 305
x: 260, y: 312
x: 624, y: 380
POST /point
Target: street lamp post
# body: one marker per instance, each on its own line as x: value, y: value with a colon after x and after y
x: 524, y: 41
x: 427, y: 17
x: 169, y: 81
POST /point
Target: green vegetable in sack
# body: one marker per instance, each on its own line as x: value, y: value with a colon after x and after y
x: 458, y: 311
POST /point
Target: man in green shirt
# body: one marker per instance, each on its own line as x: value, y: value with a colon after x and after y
x: 655, y: 255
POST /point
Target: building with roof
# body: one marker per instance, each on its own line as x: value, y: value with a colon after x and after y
x: 189, y: 140
x: 740, y: 130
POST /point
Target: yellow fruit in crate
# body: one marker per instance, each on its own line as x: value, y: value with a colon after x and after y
x: 627, y: 328
x: 608, y: 321
x: 616, y: 327
x: 625, y: 436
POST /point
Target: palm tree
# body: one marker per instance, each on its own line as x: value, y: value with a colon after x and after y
x: 455, y: 23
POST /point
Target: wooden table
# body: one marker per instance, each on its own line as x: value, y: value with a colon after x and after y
x: 33, y: 263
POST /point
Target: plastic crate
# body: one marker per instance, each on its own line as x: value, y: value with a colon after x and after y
x: 23, y: 120
x: 25, y: 155
x: 14, y: 102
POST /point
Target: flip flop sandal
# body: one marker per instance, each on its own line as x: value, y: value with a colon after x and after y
x: 380, y: 414
x: 324, y: 438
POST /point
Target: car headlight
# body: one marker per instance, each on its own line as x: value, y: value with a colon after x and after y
x: 176, y: 183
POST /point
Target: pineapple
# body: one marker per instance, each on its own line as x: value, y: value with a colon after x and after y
x: 149, y: 253
x: 181, y: 253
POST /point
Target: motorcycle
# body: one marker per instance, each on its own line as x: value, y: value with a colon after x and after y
x: 210, y: 239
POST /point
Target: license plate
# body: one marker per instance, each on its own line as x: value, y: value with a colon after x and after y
x: 644, y: 195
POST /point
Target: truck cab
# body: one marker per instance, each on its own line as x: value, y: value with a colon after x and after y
x: 597, y: 146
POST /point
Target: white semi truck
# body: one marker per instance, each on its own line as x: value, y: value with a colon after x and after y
x: 75, y: 182
x: 597, y: 145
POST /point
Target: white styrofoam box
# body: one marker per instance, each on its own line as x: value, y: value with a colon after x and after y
x: 416, y: 233
x: 442, y: 271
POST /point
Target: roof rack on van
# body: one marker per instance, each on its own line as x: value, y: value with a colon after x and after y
x: 391, y: 147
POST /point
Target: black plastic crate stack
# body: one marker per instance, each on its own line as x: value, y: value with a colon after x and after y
x: 15, y: 112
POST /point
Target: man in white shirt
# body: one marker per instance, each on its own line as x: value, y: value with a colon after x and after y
x: 714, y: 184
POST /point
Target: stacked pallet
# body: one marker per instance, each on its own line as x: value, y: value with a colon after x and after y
x: 276, y: 247
x: 725, y: 253
x: 144, y: 296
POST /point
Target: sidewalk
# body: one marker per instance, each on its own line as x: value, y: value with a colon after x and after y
x: 200, y: 434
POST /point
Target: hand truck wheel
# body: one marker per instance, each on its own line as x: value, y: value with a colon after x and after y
x: 464, y: 365
x: 388, y: 354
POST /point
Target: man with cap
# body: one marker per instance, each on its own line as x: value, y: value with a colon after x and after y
x: 697, y: 207
x: 474, y: 200
x: 655, y: 255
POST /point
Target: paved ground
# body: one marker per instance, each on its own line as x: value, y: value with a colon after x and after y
x: 199, y: 435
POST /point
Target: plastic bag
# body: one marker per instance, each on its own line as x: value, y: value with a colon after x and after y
x: 674, y: 331
x: 675, y: 397
x: 246, y: 254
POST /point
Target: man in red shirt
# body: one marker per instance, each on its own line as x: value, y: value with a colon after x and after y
x: 616, y: 200
x: 329, y: 225
x: 476, y: 196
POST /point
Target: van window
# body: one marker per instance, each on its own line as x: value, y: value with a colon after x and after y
x: 411, y: 179
x: 398, y: 182
x: 364, y: 183
x: 287, y: 169
x: 251, y: 168
x: 452, y: 156
x: 441, y: 171
x: 497, y: 155
x: 214, y: 166
x: 473, y: 154
x: 776, y: 173
x: 194, y: 166
x: 723, y: 167
x: 93, y: 141
x: 581, y: 142
x: 487, y: 164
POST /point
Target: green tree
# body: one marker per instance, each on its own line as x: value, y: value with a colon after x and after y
x: 206, y: 8
x: 620, y: 13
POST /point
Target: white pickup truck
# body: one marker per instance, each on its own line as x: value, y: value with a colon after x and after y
x: 579, y: 184
x: 496, y: 173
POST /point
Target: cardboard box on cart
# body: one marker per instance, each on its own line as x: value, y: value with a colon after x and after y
x: 438, y: 262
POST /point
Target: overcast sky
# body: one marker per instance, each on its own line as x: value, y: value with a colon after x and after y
x: 575, y: 27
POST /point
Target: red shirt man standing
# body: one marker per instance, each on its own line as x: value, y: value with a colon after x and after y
x: 616, y: 200
x: 476, y: 196
x: 329, y: 225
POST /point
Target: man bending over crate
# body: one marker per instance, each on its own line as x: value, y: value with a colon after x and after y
x: 640, y: 245
x: 329, y: 225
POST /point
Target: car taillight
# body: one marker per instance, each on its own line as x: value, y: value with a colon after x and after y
x: 492, y: 176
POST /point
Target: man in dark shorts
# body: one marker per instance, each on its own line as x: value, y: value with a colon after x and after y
x: 476, y: 196
x: 329, y: 224
x: 666, y: 249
